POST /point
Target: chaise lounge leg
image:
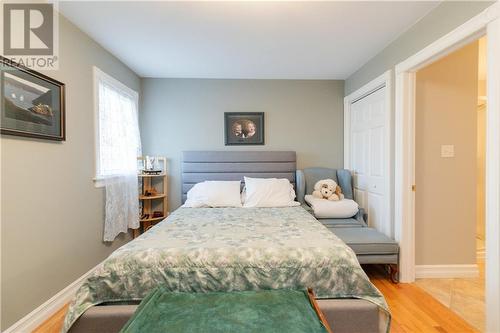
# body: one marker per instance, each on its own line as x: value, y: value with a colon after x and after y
x: 393, y: 273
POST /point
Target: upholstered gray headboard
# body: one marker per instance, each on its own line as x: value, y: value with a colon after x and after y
x: 198, y: 166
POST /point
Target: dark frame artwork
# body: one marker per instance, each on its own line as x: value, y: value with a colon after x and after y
x: 32, y: 104
x: 243, y: 128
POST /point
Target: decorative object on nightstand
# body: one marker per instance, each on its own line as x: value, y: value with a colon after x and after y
x: 152, y: 192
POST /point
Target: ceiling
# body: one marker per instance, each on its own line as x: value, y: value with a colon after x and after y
x: 268, y: 40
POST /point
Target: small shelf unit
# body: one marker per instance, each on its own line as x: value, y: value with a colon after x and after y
x: 151, y: 176
x: 156, y: 183
x: 152, y: 197
x: 153, y: 219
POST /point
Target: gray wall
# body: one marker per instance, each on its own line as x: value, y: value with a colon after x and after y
x: 443, y: 19
x: 52, y: 215
x: 188, y: 114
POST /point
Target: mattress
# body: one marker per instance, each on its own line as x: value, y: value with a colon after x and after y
x: 229, y: 249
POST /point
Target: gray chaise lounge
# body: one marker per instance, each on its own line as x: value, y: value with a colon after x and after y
x: 370, y: 246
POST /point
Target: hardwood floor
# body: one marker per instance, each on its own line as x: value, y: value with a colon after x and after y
x: 54, y: 323
x: 413, y: 309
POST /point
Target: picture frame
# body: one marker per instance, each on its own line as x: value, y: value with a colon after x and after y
x: 244, y: 128
x: 33, y: 104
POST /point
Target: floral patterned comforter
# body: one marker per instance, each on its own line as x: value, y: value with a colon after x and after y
x: 229, y: 249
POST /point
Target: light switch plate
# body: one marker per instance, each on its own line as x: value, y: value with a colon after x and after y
x: 447, y: 151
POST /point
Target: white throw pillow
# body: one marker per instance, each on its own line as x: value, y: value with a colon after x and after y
x: 214, y: 194
x: 268, y: 192
x: 325, y: 209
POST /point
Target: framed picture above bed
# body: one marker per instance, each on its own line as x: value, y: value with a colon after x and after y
x: 32, y: 104
x: 244, y: 128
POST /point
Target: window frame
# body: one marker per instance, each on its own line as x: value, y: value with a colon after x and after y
x: 100, y: 75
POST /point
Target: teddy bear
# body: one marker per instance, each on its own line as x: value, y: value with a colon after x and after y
x: 328, y: 189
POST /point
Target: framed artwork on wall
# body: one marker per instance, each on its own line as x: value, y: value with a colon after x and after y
x: 244, y: 128
x: 32, y: 103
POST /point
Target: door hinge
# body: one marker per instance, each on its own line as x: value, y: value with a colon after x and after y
x: 413, y: 188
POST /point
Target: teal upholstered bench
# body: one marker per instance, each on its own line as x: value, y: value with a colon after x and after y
x: 370, y: 246
x: 272, y: 311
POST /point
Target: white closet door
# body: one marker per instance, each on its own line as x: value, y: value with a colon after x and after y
x: 368, y: 158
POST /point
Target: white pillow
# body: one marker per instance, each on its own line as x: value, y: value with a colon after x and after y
x: 214, y: 194
x: 268, y: 192
x: 325, y: 209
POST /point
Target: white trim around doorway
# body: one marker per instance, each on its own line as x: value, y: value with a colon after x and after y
x: 446, y: 271
x: 486, y: 23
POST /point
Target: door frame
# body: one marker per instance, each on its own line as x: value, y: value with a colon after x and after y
x: 384, y: 80
x: 486, y: 23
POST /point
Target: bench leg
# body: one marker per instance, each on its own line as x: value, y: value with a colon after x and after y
x: 393, y: 273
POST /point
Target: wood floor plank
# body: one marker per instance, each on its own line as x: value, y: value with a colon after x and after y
x: 415, y: 318
x: 54, y: 323
x: 396, y: 327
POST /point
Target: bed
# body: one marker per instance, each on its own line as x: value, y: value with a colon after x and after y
x: 232, y: 249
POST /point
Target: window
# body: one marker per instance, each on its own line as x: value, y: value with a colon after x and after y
x: 117, y: 130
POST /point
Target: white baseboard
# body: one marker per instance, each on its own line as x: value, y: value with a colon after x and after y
x: 36, y: 317
x: 446, y: 271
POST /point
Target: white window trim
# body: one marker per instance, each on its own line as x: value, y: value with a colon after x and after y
x: 99, y: 75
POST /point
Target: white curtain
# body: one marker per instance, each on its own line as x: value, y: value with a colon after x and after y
x: 122, y: 206
x: 119, y: 144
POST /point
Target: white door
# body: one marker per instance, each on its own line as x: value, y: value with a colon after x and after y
x: 369, y: 158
